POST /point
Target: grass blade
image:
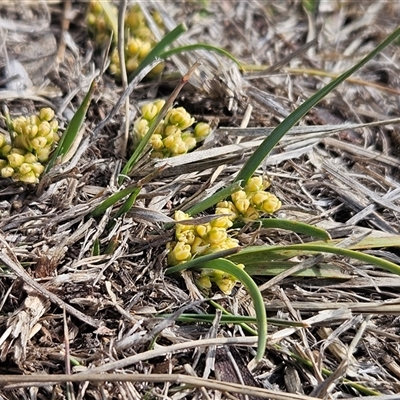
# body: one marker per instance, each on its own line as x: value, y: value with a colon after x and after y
x: 294, y: 226
x: 128, y: 204
x: 215, y: 198
x: 268, y: 144
x: 255, y: 254
x: 73, y: 127
x: 101, y: 208
x: 200, y: 46
x: 241, y: 275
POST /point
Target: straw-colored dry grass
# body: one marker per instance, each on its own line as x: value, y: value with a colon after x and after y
x: 65, y: 311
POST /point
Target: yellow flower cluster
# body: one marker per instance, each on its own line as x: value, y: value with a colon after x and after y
x: 139, y: 39
x: 247, y: 204
x: 192, y: 240
x: 174, y: 135
x: 24, y: 154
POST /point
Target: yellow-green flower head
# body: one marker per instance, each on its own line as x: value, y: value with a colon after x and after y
x: 145, y: 34
x: 178, y: 147
x: 255, y: 184
x: 271, y: 205
x: 251, y: 214
x: 181, y: 216
x: 140, y: 128
x: 222, y: 222
x: 46, y: 114
x: 44, y: 128
x: 179, y: 117
x: 202, y: 230
x: 189, y: 140
x: 133, y: 47
x: 226, y: 284
x: 29, y: 177
x: 171, y: 130
x: 43, y: 154
x: 217, y: 236
x: 258, y: 198
x: 38, y: 143
x: 187, y: 236
x: 159, y: 104
x: 157, y: 142
x: 201, y: 131
x: 150, y: 111
x: 7, y: 172
x: 3, y: 140
x: 198, y: 246
x: 54, y: 125
x: 30, y: 158
x: 242, y: 205
x: 37, y: 168
x: 180, y: 253
x: 239, y: 195
x: 227, y: 207
x: 144, y: 50
x: 135, y: 18
x: 33, y: 120
x: 25, y: 168
x: 15, y: 160
x: 131, y: 65
x: 204, y: 282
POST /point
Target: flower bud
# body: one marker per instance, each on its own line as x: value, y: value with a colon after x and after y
x: 33, y: 120
x: 251, y: 214
x: 156, y: 142
x: 43, y: 154
x: 7, y: 172
x: 171, y: 130
x: 204, y: 282
x: 149, y: 111
x: 38, y: 168
x: 25, y: 168
x: 144, y: 50
x: 134, y: 18
x: 202, y: 230
x: 133, y: 47
x: 159, y: 104
x: 189, y: 141
x: 222, y: 222
x: 15, y: 160
x: 217, y: 235
x: 38, y: 143
x: 259, y: 197
x: 180, y: 253
x: 30, y: 177
x: 179, y: 117
x: 140, y: 128
x: 239, y: 195
x: 255, y: 184
x: 242, y: 205
x: 30, y: 158
x: 44, y: 128
x: 201, y: 131
x: 271, y: 205
x: 131, y: 64
x: 46, y: 114
x: 178, y: 147
x: 197, y: 245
